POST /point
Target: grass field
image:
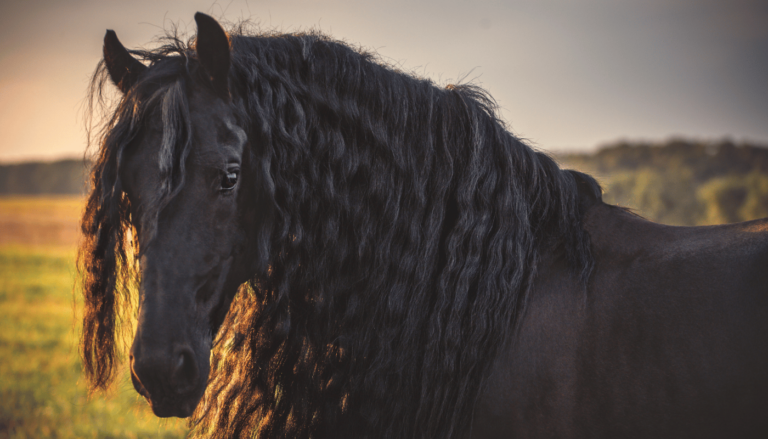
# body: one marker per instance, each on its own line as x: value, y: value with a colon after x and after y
x: 42, y: 391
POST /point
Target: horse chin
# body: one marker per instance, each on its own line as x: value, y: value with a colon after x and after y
x: 176, y: 409
x: 179, y: 406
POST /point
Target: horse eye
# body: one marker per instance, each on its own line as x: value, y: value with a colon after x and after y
x: 229, y: 179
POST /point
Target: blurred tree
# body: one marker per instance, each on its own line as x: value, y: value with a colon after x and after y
x: 37, y: 178
x: 682, y: 182
x: 664, y: 197
x: 735, y: 198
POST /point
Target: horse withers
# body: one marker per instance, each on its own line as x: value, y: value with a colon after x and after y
x: 328, y: 247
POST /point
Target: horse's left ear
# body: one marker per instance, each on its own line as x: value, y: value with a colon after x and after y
x: 212, y: 48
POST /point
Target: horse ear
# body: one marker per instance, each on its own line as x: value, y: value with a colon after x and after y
x: 212, y: 48
x: 123, y: 68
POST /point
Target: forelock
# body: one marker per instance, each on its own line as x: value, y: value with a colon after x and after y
x: 159, y: 98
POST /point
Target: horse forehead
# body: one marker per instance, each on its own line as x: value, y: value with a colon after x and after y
x: 205, y: 108
x: 213, y: 120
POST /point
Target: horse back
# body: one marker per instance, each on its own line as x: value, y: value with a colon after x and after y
x: 669, y: 338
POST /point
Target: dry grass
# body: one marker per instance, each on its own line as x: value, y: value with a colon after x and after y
x: 40, y: 221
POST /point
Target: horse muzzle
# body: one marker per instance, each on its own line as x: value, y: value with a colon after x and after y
x: 172, y: 384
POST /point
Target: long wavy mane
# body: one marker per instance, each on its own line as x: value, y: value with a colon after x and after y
x: 403, y: 227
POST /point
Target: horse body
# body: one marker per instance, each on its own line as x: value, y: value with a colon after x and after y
x: 411, y: 269
x: 670, y: 339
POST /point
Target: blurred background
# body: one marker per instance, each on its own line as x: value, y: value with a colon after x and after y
x: 664, y: 101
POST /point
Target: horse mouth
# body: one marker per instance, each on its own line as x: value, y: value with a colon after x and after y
x: 170, y: 407
x: 165, y: 407
x: 168, y: 410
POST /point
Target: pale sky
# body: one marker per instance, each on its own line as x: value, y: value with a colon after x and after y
x: 568, y: 75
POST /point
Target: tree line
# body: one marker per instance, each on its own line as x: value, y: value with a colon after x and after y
x: 62, y: 177
x: 681, y: 182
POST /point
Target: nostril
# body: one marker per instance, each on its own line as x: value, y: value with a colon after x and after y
x: 184, y: 377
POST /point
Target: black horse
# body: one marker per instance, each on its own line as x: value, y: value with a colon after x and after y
x: 327, y: 247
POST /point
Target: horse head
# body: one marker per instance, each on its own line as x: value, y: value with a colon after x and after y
x: 182, y: 176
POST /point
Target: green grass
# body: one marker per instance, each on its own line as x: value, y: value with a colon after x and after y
x: 42, y: 390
